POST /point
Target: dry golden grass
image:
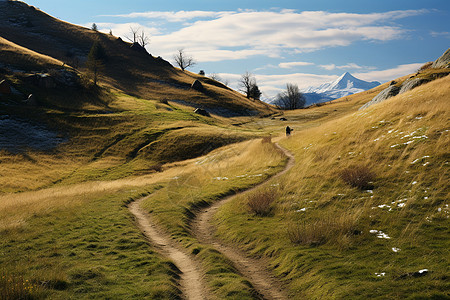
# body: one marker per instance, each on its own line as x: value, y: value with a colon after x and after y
x: 15, y: 209
x: 260, y: 202
x: 26, y: 58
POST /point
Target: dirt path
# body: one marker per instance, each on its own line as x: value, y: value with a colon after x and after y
x: 191, y: 281
x: 253, y: 269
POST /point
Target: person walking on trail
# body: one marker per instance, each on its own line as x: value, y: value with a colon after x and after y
x: 288, y: 131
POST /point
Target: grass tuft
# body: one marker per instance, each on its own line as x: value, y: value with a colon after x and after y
x: 260, y: 202
x: 359, y: 176
x: 321, y: 231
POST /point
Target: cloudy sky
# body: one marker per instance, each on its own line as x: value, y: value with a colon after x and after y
x: 285, y: 41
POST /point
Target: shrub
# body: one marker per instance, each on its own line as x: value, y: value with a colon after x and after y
x: 358, y: 176
x: 260, y: 202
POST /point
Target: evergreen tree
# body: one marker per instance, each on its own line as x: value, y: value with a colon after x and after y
x: 95, y: 60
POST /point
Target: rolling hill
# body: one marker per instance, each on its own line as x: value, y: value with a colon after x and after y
x: 132, y: 71
x: 358, y: 210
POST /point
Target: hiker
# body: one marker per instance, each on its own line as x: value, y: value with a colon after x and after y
x: 288, y: 131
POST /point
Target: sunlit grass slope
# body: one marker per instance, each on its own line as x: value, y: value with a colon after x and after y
x: 133, y: 137
x: 208, y: 179
x: 133, y: 72
x: 389, y: 238
x: 25, y: 58
x: 80, y: 241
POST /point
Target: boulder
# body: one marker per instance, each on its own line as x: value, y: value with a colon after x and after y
x: 5, y: 87
x: 197, y: 85
x: 283, y: 119
x: 202, y: 112
x: 31, y: 101
x: 387, y: 93
x: 443, y: 61
x: 46, y: 81
x: 412, y: 83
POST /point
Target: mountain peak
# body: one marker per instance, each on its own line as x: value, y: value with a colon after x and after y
x: 345, y: 85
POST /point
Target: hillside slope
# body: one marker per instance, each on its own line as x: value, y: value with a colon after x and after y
x: 132, y: 71
x: 364, y: 213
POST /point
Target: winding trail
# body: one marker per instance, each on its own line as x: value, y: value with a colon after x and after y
x: 254, y: 270
x: 191, y: 281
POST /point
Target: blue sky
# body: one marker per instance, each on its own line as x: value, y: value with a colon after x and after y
x: 301, y: 42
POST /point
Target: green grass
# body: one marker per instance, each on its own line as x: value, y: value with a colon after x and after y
x: 223, y: 172
x: 67, y: 234
x: 93, y: 250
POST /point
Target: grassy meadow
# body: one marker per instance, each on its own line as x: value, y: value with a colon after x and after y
x: 362, y: 214
x: 329, y: 236
x: 66, y: 231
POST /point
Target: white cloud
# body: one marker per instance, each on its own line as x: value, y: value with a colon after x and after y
x: 271, y: 33
x: 349, y: 66
x: 444, y: 34
x: 171, y: 16
x: 389, y: 74
x: 289, y: 65
x: 328, y: 67
x: 123, y: 29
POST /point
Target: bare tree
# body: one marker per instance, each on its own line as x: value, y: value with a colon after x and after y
x: 143, y: 39
x: 215, y: 76
x: 292, y: 98
x: 248, y: 86
x: 182, y: 60
x: 138, y: 35
x: 134, y: 35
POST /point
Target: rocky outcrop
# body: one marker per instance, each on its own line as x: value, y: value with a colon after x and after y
x: 202, y: 112
x: 443, y: 61
x: 197, y: 85
x: 5, y: 87
x: 412, y: 83
x: 387, y: 93
x: 31, y: 100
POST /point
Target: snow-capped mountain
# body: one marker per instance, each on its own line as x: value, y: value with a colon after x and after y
x: 345, y: 85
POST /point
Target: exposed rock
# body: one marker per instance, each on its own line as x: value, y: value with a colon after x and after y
x: 387, y: 93
x: 197, y: 85
x: 46, y: 81
x: 283, y: 119
x: 202, y: 112
x: 5, y: 87
x: 443, y: 61
x: 31, y: 101
x: 412, y: 83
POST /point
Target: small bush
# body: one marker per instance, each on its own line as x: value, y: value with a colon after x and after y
x: 358, y: 176
x: 260, y: 202
x: 163, y: 101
